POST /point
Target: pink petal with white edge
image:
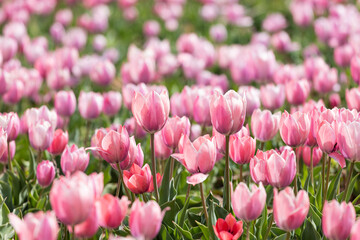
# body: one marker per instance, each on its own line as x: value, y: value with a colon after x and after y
x: 196, y: 178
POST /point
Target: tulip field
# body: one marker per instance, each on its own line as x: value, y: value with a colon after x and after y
x: 180, y: 119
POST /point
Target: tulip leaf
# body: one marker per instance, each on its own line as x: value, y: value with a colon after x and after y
x: 309, y: 232
x: 263, y: 224
x: 334, y: 186
x: 184, y: 233
x: 351, y: 188
x: 211, y: 198
x: 32, y: 166
x: 165, y: 184
x: 212, y: 219
x: 170, y: 214
x: 315, y: 216
x: 281, y: 237
x: 182, y: 213
x: 4, y: 211
x: 164, y: 233
x: 204, y: 230
x: 5, y: 191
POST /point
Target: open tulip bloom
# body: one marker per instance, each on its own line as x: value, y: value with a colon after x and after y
x: 149, y: 120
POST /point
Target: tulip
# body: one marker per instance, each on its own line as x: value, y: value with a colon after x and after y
x: 294, y: 128
x: 228, y: 228
x: 252, y: 95
x: 113, y: 146
x: 162, y: 151
x: 274, y: 22
x: 258, y: 166
x: 297, y: 91
x: 272, y: 96
x: 338, y: 219
x: 316, y: 155
x: 242, y: 149
x: 326, y: 136
x: 281, y: 168
x: 59, y: 142
x: 135, y: 155
x: 40, y: 225
x: 355, y: 233
x: 103, y: 73
x: 355, y: 68
x: 134, y: 128
x: 198, y: 158
x: 173, y: 130
x: 201, y: 109
x: 74, y: 159
x: 325, y: 79
x: 148, y: 227
x: 45, y: 173
x: 65, y: 103
x: 10, y: 122
x: 99, y: 43
x: 334, y: 100
x: 112, y: 103
x: 302, y: 13
x: 264, y: 125
x: 111, y: 210
x: 138, y: 179
x: 81, y: 190
x: 41, y: 135
x: 227, y: 112
x: 4, y: 148
x: 151, y: 28
x: 90, y: 104
x: 218, y: 33
x: 97, y: 182
x: 151, y: 111
x: 343, y: 55
x: 248, y: 205
x: 89, y: 227
x: 64, y: 16
x: 15, y: 91
x: 290, y: 211
x: 352, y: 97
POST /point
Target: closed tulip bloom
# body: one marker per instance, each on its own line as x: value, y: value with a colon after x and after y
x: 145, y: 219
x: 198, y: 158
x: 173, y: 130
x: 264, y: 124
x: 10, y: 122
x: 227, y: 112
x: 348, y: 139
x: 352, y: 97
x: 355, y: 68
x: 201, y: 109
x: 327, y: 136
x: 111, y: 210
x: 113, y: 146
x: 41, y: 135
x: 325, y: 79
x: 45, y: 173
x: 138, y: 179
x: 74, y: 159
x: 228, y: 228
x: 218, y: 33
x: 317, y: 154
x: 81, y: 190
x: 40, y: 225
x: 290, y: 211
x: 112, y: 103
x: 89, y: 227
x: 252, y: 95
x: 152, y: 110
x: 65, y: 103
x: 90, y: 104
x: 355, y: 233
x: 281, y: 168
x: 272, y: 96
x: 258, y: 165
x: 338, y: 219
x: 294, y: 128
x: 135, y: 155
x: 248, y: 205
x: 343, y: 55
x: 103, y: 73
x: 162, y: 151
x: 297, y: 91
x: 4, y: 148
x: 59, y: 142
x: 242, y: 149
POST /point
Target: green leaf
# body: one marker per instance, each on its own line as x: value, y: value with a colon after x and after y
x: 204, y: 230
x: 5, y: 190
x: 183, y: 212
x: 4, y: 211
x: 170, y: 214
x: 263, y: 224
x: 165, y: 184
x: 212, y: 219
x: 281, y: 237
x: 32, y: 167
x: 334, y: 186
x: 351, y: 187
x: 309, y: 232
x: 184, y: 233
x: 164, y: 233
x: 315, y: 216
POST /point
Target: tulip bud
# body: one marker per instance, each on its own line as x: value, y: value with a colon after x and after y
x: 41, y: 135
x: 173, y: 130
x: 294, y: 128
x: 103, y: 73
x: 74, y: 159
x: 112, y: 103
x: 242, y: 149
x: 10, y: 122
x: 65, y: 103
x: 111, y: 210
x: 264, y: 125
x: 90, y: 104
x: 45, y: 173
x: 59, y: 142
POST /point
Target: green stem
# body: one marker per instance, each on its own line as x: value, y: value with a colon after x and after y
x: 323, y: 175
x: 39, y: 156
x: 262, y: 144
x: 312, y: 167
x: 269, y: 227
x: 204, y: 204
x: 297, y: 172
x: 9, y: 157
x: 153, y: 169
x: 248, y: 230
x: 144, y: 197
x: 73, y: 232
x: 287, y: 235
x: 327, y: 177
x: 352, y: 164
x: 87, y: 131
x: 227, y: 174
x: 172, y: 163
x: 241, y: 173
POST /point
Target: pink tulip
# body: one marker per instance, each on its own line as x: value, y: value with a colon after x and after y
x: 201, y: 109
x: 65, y: 103
x: 74, y: 159
x: 274, y: 22
x: 297, y: 91
x: 8, y: 48
x: 112, y: 103
x: 103, y: 73
x: 227, y: 112
x: 228, y: 229
x: 89, y: 227
x: 327, y: 136
x: 355, y: 68
x: 15, y: 91
x: 134, y: 128
x: 57, y: 32
x: 173, y: 130
x: 113, y: 146
x: 325, y: 79
x: 353, y: 98
x: 99, y: 43
x: 145, y: 227
x: 248, y: 205
x: 348, y: 135
x: 152, y: 110
x: 10, y: 122
x: 281, y: 42
x: 45, y: 173
x: 302, y: 13
x: 355, y: 233
x: 317, y: 155
x: 252, y: 95
x: 59, y: 142
x: 41, y: 135
x: 4, y: 148
x: 272, y: 96
x: 151, y: 28
x: 241, y: 149
x: 81, y: 190
x: 218, y: 33
x: 40, y: 225
x: 290, y: 211
x: 58, y: 78
x: 334, y: 100
x: 64, y: 16
x: 162, y: 151
x: 338, y: 219
x: 264, y: 125
x: 111, y: 210
x: 75, y: 37
x: 90, y: 104
x: 198, y: 157
x: 138, y: 179
x: 97, y: 182
x: 294, y: 128
x: 343, y: 55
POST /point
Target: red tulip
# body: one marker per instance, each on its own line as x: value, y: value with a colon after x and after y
x: 59, y: 142
x: 228, y: 229
x: 138, y: 179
